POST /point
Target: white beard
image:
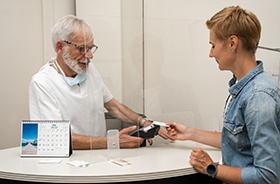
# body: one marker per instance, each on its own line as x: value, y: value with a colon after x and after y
x: 73, y: 64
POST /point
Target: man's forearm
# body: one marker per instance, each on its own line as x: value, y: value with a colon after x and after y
x: 121, y: 112
x: 81, y: 142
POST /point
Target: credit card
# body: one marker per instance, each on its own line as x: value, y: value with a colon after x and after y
x: 159, y: 123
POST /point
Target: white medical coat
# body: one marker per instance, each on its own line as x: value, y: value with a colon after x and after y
x: 51, y: 98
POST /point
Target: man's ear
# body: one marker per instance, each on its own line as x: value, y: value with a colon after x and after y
x: 58, y: 46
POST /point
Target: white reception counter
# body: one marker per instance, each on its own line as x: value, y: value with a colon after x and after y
x: 162, y: 161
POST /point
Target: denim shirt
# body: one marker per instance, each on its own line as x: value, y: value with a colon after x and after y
x: 251, y: 128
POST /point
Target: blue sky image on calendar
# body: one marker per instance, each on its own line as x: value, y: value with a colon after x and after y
x: 29, y: 134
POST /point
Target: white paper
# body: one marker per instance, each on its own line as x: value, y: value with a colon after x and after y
x: 120, y: 162
x: 79, y: 163
x: 50, y: 161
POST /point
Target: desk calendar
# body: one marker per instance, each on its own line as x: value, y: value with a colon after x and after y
x: 45, y: 139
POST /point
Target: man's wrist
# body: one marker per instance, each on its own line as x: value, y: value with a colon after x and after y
x: 141, y: 122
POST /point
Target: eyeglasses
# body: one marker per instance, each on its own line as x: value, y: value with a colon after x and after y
x: 83, y: 48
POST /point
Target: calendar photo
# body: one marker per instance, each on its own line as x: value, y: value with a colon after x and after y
x: 45, y: 139
x: 29, y: 139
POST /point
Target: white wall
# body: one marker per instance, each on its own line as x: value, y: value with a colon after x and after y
x: 117, y: 26
x: 105, y: 19
x: 171, y: 79
x: 25, y: 47
x: 179, y: 73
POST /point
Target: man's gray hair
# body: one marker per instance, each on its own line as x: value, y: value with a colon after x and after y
x: 66, y: 27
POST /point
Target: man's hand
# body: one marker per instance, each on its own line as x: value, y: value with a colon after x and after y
x: 127, y: 141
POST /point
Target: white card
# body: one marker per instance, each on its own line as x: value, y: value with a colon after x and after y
x: 160, y: 123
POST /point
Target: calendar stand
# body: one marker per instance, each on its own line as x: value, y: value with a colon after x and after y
x: 45, y: 138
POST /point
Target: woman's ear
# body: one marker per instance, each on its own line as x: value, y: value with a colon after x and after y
x: 233, y: 42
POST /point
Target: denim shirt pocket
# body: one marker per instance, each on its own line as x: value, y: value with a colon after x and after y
x: 236, y: 135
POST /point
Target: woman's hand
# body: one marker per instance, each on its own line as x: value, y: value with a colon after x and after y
x: 178, y: 131
x: 200, y: 159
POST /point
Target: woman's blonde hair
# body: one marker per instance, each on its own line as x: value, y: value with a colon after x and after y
x: 236, y: 21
